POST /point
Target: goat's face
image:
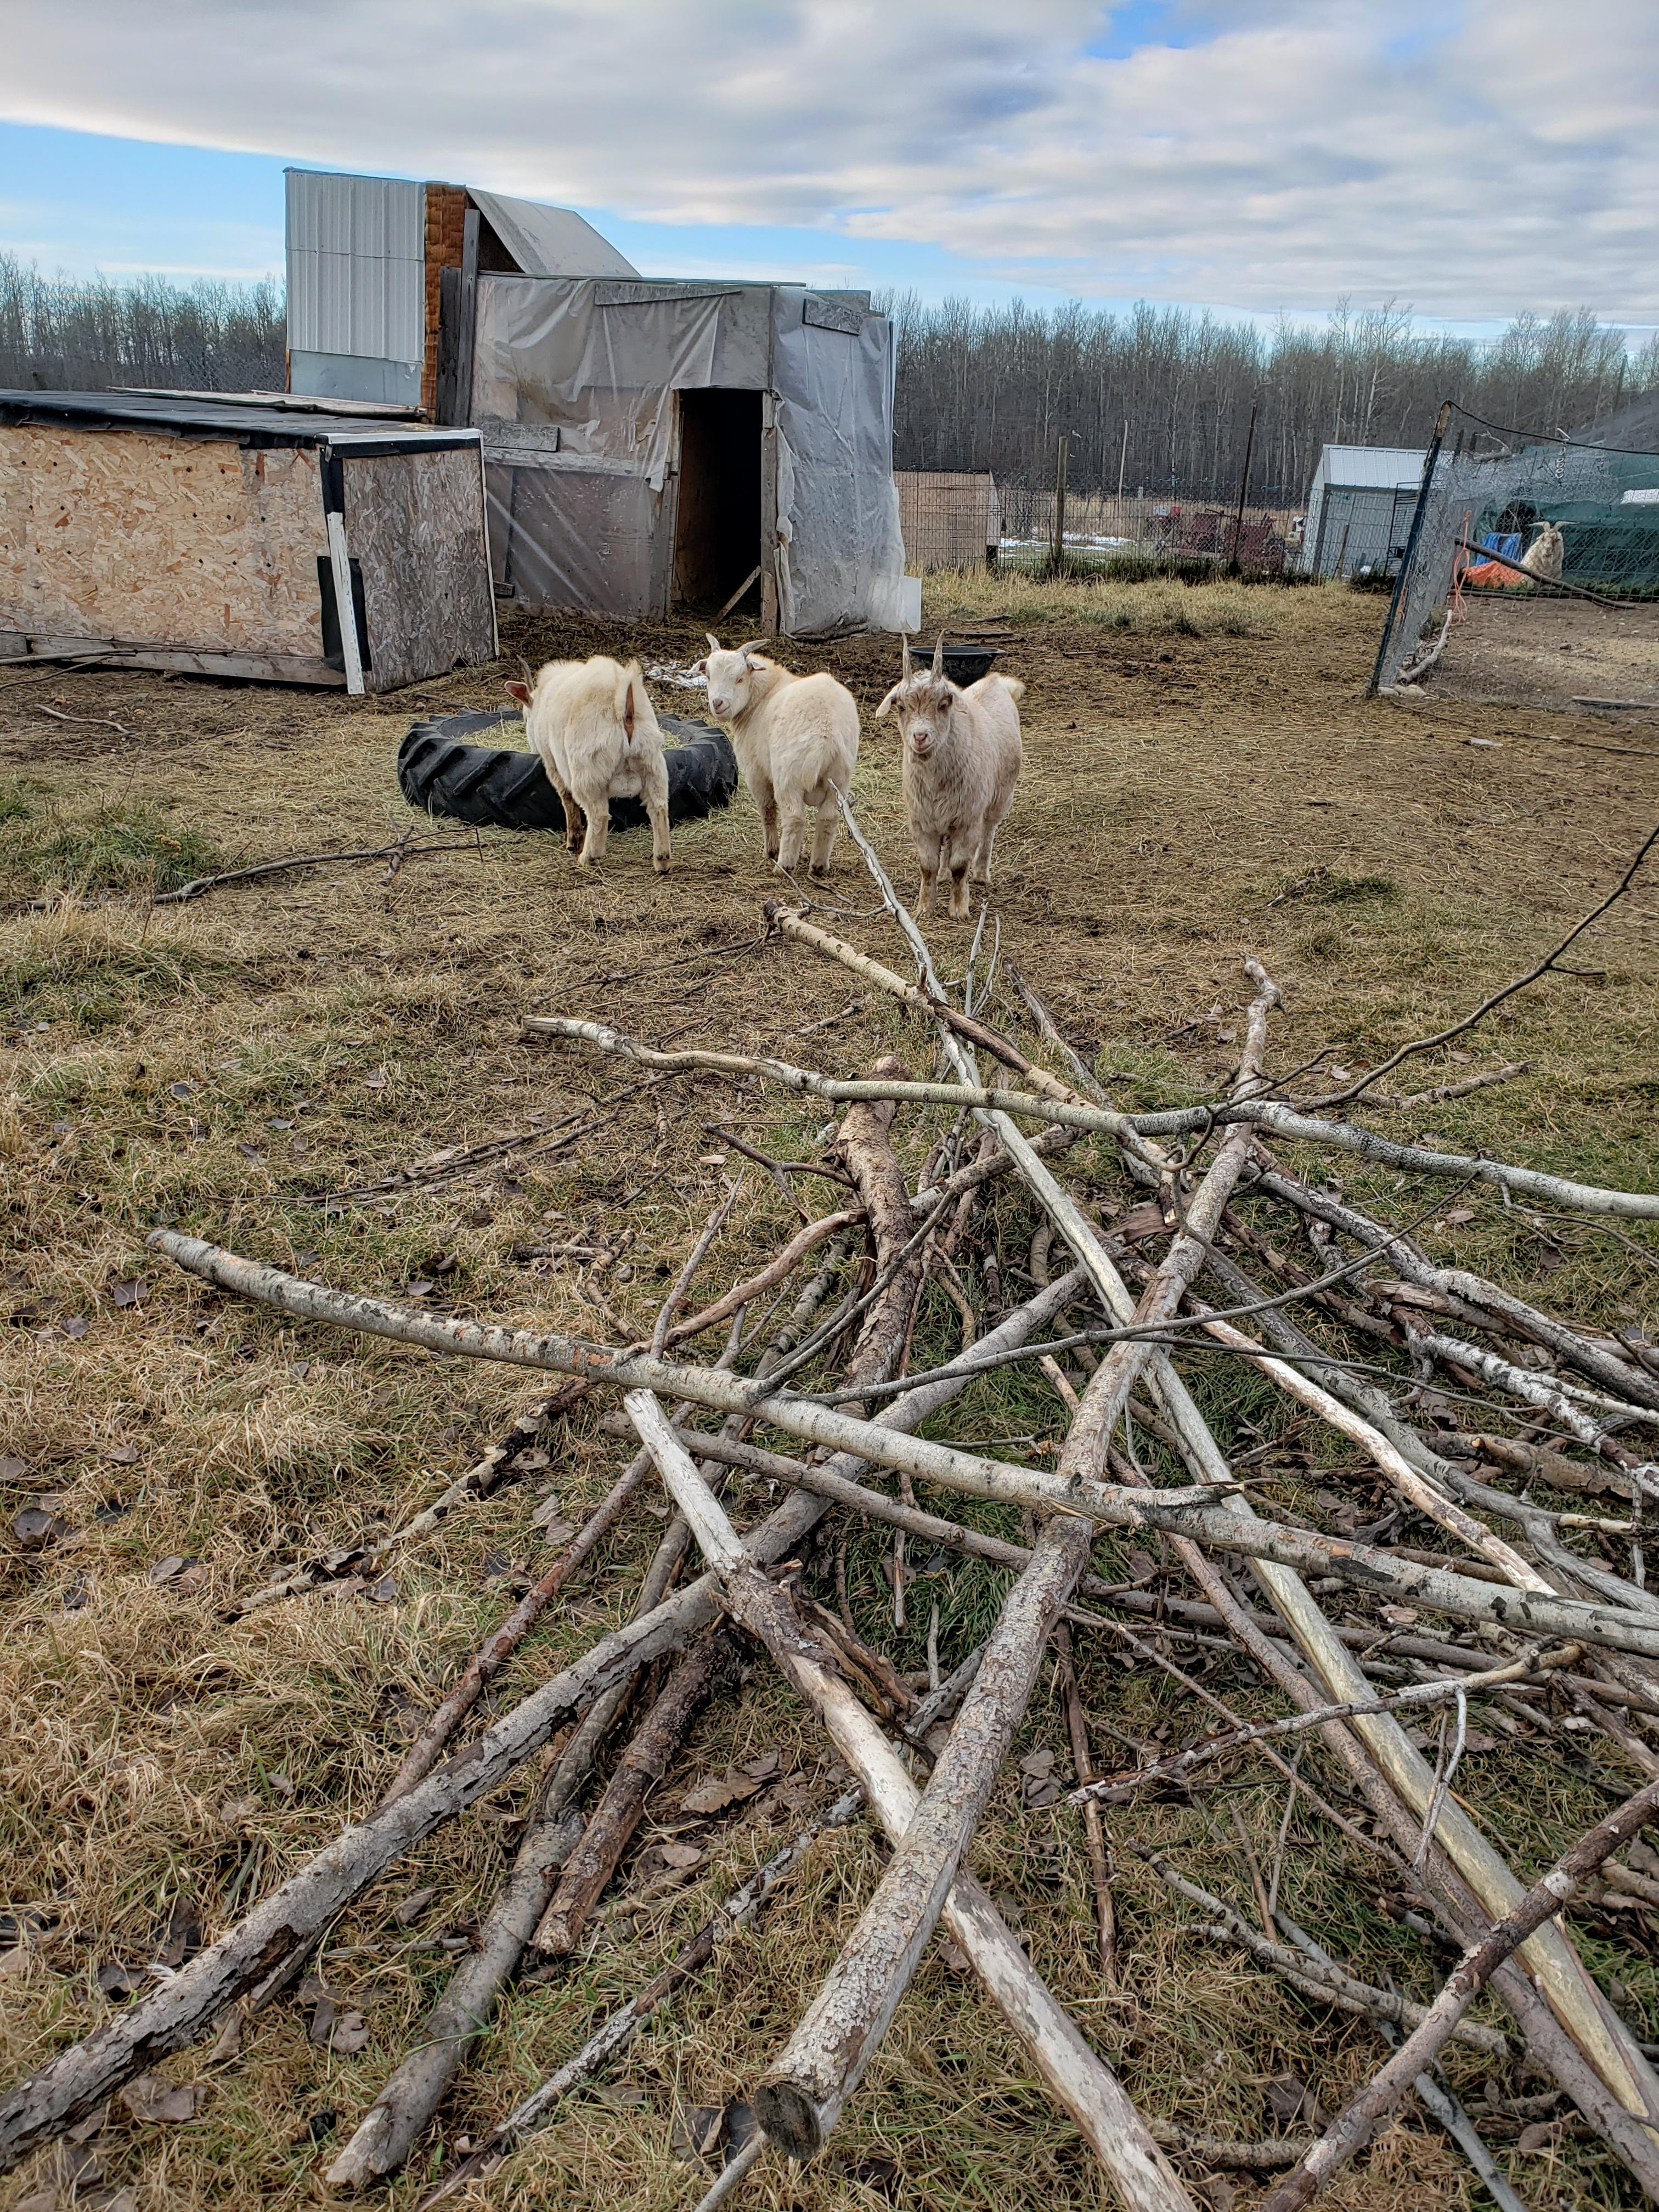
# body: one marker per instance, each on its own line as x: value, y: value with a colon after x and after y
x: 730, y: 680
x: 923, y: 703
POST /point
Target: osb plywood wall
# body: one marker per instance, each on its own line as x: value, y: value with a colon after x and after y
x: 415, y: 525
x: 446, y: 223
x: 160, y: 541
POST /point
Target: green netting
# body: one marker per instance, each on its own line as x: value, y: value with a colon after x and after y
x: 1492, y: 487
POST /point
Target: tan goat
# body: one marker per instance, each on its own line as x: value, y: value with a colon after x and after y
x: 596, y: 729
x: 962, y: 761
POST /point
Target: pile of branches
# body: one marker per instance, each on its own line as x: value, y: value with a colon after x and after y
x: 1339, y: 1311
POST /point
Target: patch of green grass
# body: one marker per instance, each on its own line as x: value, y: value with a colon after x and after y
x: 123, y: 845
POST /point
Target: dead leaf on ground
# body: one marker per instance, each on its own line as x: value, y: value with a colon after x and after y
x: 131, y: 1293
x: 13, y: 1469
x: 681, y: 1855
x: 184, y: 1934
x: 384, y: 1592
x: 35, y: 1528
x: 122, y: 1455
x: 118, y: 1981
x: 412, y: 1906
x: 229, y: 2041
x: 149, y: 2098
x: 165, y: 1570
x: 715, y: 1796
x: 765, y: 1767
x: 348, y: 2034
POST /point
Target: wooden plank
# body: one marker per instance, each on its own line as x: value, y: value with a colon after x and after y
x: 768, y: 558
x: 129, y: 653
x: 415, y: 523
x: 467, y: 317
x: 199, y: 545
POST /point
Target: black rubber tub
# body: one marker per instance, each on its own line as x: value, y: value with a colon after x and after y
x: 506, y: 787
x: 964, y: 664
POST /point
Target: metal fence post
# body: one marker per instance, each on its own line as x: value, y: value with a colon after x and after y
x: 1410, y: 553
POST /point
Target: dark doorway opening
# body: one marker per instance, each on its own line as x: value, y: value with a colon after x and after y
x: 717, y: 537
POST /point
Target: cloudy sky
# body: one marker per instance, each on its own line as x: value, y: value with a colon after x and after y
x: 1470, y: 158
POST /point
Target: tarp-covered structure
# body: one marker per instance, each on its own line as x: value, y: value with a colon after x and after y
x: 649, y: 444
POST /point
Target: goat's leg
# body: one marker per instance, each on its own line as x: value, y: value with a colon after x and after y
x: 655, y: 793
x: 961, y: 859
x: 823, y: 834
x: 574, y: 824
x: 928, y: 853
x: 767, y: 799
x: 595, y: 803
x: 794, y: 834
x: 982, y: 872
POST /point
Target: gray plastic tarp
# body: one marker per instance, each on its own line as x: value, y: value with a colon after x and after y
x: 574, y: 386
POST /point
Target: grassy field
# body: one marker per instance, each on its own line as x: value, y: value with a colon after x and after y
x: 1203, y: 780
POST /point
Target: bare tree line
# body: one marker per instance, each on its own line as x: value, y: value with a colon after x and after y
x: 995, y: 387
x: 58, y: 334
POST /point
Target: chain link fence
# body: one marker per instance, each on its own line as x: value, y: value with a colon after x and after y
x: 1492, y: 499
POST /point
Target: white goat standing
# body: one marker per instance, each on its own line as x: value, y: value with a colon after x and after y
x: 962, y: 760
x: 797, y: 742
x: 596, y: 729
x: 1544, y: 556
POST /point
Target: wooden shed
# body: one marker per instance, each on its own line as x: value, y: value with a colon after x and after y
x: 950, y: 517
x: 222, y: 536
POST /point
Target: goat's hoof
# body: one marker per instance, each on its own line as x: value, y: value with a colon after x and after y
x: 661, y: 865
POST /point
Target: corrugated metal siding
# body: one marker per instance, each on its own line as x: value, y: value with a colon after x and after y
x: 356, y: 265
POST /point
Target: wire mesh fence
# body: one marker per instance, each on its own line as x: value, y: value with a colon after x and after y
x: 954, y: 519
x: 57, y: 335
x: 1507, y: 512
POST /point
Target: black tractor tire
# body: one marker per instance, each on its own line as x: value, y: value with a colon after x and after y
x: 507, y: 788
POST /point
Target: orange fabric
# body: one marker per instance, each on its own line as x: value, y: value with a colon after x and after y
x: 1492, y: 572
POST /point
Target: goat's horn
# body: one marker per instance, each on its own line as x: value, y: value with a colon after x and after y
x: 938, y: 655
x: 904, y: 663
x: 714, y: 642
x: 528, y: 675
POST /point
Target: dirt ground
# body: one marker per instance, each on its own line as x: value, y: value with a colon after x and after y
x: 1204, y: 780
x: 1511, y: 648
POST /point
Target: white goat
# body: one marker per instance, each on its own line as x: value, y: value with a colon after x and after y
x: 1543, y: 557
x: 797, y: 742
x: 594, y: 726
x: 961, y: 759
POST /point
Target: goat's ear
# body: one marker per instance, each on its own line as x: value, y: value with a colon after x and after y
x: 886, y: 706
x: 698, y: 668
x: 520, y: 691
x: 628, y: 711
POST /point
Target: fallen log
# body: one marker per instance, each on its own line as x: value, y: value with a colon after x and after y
x: 1105, y: 1120
x: 1076, y: 2078
x: 1181, y: 1512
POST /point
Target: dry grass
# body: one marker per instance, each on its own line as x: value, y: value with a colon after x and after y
x: 1224, y: 608
x: 219, y: 1065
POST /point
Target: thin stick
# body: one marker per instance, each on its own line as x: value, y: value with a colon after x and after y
x: 775, y: 1271
x: 1329, y: 1983
x: 1112, y: 1787
x: 1458, y: 1029
x: 733, y: 2172
x: 198, y: 884
x: 1353, y: 2125
x: 1100, y: 1865
x: 693, y: 1260
x: 1283, y: 1120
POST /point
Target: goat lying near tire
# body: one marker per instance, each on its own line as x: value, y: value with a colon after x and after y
x: 962, y: 761
x: 594, y: 726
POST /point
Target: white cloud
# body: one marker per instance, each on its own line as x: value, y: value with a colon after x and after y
x: 1471, y: 163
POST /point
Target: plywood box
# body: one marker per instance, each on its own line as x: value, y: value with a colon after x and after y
x: 222, y: 536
